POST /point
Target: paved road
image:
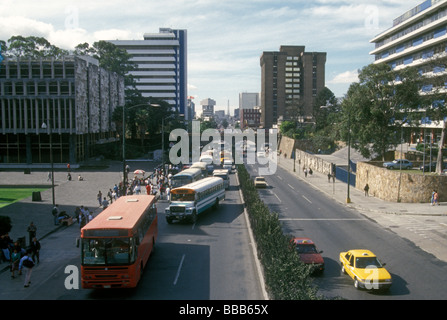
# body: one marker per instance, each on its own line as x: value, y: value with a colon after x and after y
x: 424, y: 225
x: 335, y: 227
x: 210, y: 260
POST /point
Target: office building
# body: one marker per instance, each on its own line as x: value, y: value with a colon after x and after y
x: 290, y: 81
x: 161, y: 66
x: 208, y: 108
x: 416, y: 39
x: 72, y: 99
x: 249, y: 110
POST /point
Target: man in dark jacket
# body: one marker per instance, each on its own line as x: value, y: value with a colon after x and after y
x: 35, y: 250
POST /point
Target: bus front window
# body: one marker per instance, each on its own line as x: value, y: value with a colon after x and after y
x: 106, y: 251
x: 182, y: 197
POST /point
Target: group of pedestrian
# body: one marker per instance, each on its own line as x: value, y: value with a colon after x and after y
x: 83, y: 216
x: 20, y: 258
x: 307, y: 171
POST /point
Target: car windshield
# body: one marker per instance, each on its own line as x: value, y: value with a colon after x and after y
x: 363, y: 262
x: 306, y: 248
x: 260, y: 179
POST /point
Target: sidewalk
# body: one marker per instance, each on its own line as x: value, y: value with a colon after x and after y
x: 68, y: 195
x: 339, y: 191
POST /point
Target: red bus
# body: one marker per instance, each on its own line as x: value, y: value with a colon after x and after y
x: 117, y: 243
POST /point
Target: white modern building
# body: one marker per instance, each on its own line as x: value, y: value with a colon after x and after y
x: 416, y: 38
x: 161, y: 60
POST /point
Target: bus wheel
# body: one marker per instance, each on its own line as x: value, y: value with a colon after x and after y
x: 216, y: 204
x: 194, y: 217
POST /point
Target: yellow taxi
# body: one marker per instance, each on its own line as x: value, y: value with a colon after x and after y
x: 365, y: 269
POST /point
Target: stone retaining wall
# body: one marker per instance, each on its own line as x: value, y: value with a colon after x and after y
x: 390, y: 185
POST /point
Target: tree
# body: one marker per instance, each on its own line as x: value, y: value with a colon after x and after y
x: 31, y: 47
x: 110, y: 57
x: 376, y: 109
x: 5, y: 225
x: 324, y: 109
x: 434, y: 90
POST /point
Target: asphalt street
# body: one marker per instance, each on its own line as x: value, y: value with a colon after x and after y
x: 408, y: 220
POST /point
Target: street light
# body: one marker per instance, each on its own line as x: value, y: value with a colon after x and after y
x: 124, y: 139
x: 44, y: 126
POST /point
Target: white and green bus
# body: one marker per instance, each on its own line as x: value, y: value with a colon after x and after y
x: 185, y: 177
x: 189, y: 201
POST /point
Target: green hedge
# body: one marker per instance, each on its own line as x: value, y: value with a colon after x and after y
x: 286, y: 277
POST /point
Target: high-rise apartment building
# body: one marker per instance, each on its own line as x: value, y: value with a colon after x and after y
x: 416, y: 39
x: 290, y: 81
x: 161, y: 66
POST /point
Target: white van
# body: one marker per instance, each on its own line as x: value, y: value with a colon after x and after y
x: 228, y: 165
x: 222, y: 173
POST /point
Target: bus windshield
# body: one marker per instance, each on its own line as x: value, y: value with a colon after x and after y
x: 107, y: 251
x: 182, y: 197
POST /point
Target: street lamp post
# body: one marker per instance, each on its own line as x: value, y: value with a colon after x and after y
x: 124, y: 140
x: 44, y: 126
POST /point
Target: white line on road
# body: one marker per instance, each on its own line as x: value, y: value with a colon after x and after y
x: 179, y: 269
x: 307, y: 199
x: 291, y: 187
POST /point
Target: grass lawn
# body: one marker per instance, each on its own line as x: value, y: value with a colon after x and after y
x: 11, y: 195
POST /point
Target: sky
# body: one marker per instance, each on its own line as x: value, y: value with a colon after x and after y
x: 226, y: 38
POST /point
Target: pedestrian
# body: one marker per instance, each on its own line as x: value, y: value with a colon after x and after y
x: 432, y: 200
x: 366, y: 188
x: 305, y: 171
x: 99, y: 197
x: 32, y: 230
x: 55, y: 213
x: 168, y: 193
x: 105, y: 203
x: 148, y: 188
x: 49, y: 176
x: 6, y: 245
x: 329, y: 177
x: 27, y: 262
x: 16, y: 255
x: 435, y: 198
x: 83, y: 220
x: 35, y: 250
x: 109, y: 194
x: 310, y: 171
x: 68, y: 167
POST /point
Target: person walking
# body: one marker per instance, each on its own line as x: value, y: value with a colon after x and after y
x: 105, y: 203
x: 32, y: 230
x: 55, y: 213
x: 16, y: 255
x: 35, y: 250
x: 435, y: 198
x: 366, y: 188
x: 27, y: 262
x: 99, y: 197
